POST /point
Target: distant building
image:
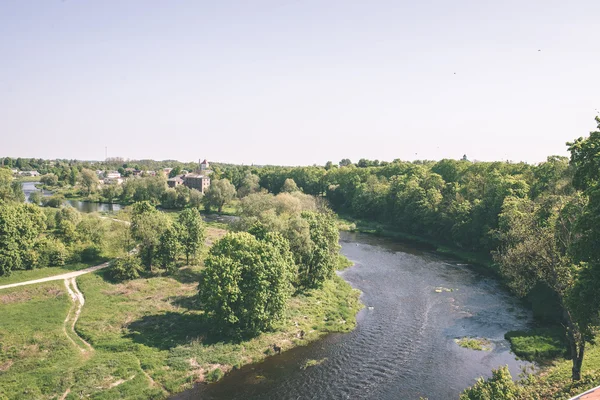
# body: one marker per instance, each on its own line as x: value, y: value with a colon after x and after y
x: 196, y: 181
x: 175, y: 181
x: 112, y: 175
x: 204, y: 165
x: 29, y: 173
x: 113, y: 181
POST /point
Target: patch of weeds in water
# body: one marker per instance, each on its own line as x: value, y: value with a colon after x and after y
x: 479, y: 344
x: 313, y: 363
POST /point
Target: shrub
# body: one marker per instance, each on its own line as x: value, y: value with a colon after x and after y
x: 499, y: 387
x: 126, y: 268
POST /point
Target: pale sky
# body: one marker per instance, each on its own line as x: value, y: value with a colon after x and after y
x: 297, y: 82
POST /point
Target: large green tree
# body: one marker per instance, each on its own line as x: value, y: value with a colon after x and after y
x: 319, y: 260
x: 536, y: 240
x: 89, y: 180
x: 245, y: 284
x: 220, y: 192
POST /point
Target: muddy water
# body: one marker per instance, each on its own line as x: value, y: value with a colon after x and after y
x: 404, y: 346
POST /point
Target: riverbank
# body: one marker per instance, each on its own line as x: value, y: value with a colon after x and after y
x: 149, y: 336
x: 347, y: 223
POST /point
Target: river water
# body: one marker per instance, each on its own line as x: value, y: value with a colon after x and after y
x: 403, y: 346
x: 81, y: 206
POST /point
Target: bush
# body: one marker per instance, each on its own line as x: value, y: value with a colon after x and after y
x: 90, y: 253
x: 55, y: 201
x: 499, y: 387
x: 52, y: 253
x: 126, y: 268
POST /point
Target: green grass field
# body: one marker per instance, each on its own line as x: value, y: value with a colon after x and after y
x: 149, y: 335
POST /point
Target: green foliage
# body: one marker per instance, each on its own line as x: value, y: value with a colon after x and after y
x: 126, y: 268
x: 49, y: 180
x: 20, y: 229
x: 478, y: 344
x: 214, y: 375
x: 195, y: 198
x: 55, y: 201
x: 168, y: 248
x: 52, y: 253
x: 147, y: 227
x: 499, y: 387
x: 35, y: 197
x: 192, y: 232
x: 89, y: 180
x: 220, y: 192
x: 250, y: 184
x: 319, y: 263
x: 289, y: 186
x: 245, y: 285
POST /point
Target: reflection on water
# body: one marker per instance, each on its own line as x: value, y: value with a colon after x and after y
x: 403, y: 347
x: 82, y: 206
x: 88, y: 207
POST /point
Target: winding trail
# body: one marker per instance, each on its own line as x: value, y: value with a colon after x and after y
x: 73, y: 315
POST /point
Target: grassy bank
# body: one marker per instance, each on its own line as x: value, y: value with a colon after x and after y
x: 149, y: 335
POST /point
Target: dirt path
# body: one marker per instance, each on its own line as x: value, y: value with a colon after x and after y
x: 60, y: 277
x: 73, y: 315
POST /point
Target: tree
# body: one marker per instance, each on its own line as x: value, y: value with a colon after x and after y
x: 17, y: 191
x: 536, y: 240
x: 168, y: 248
x: 126, y: 268
x: 250, y: 184
x: 20, y: 229
x: 175, y: 171
x: 89, y: 180
x: 195, y: 199
x: 147, y: 227
x: 35, y: 197
x: 73, y: 176
x: 345, y: 162
x: 5, y: 181
x: 218, y: 194
x: 318, y: 262
x: 111, y: 192
x: 585, y: 157
x: 191, y: 232
x: 49, y: 180
x: 245, y: 285
x: 289, y: 186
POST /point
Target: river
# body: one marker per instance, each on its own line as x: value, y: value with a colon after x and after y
x: 403, y: 346
x: 81, y: 206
